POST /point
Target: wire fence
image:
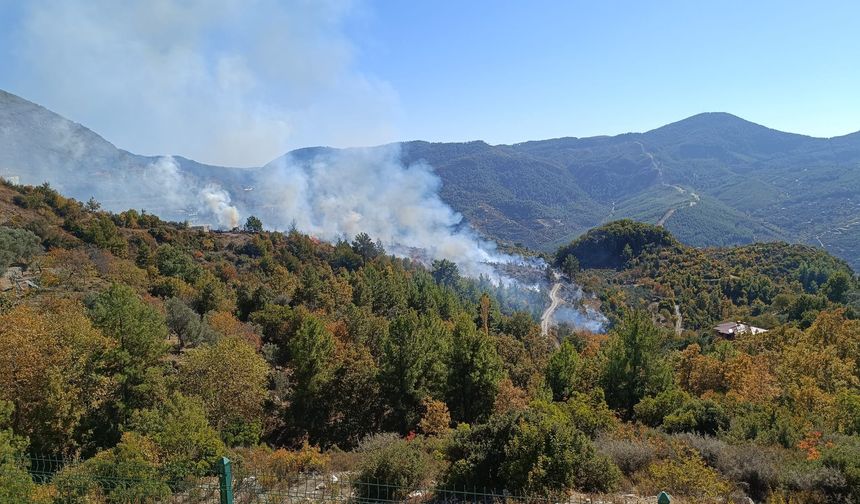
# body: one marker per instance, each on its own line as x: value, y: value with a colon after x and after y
x: 107, y: 481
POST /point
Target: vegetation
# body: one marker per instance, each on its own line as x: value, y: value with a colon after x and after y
x: 763, y: 283
x: 712, y: 179
x: 150, y: 350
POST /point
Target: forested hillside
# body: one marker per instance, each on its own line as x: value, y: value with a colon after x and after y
x: 711, y: 179
x: 148, y: 349
x: 641, y: 265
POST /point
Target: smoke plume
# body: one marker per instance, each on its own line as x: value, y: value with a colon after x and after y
x: 164, y: 183
x: 337, y: 194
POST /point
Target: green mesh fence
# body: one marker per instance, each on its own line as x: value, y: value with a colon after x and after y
x: 105, y: 481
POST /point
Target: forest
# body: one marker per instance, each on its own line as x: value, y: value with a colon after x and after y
x: 145, y: 350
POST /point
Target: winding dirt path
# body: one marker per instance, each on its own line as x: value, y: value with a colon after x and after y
x: 546, y: 318
x: 665, y: 217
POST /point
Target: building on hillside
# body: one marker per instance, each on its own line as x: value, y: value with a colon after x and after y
x: 732, y: 329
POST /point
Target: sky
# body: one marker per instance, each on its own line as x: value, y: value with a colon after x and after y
x: 240, y: 82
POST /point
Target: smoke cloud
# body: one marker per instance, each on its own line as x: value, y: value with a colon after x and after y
x: 224, y: 82
x: 164, y: 183
x: 338, y: 194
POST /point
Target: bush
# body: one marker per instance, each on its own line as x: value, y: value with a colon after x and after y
x: 843, y: 455
x: 700, y: 416
x: 753, y: 467
x: 536, y: 451
x: 652, y: 410
x: 589, y: 412
x: 16, y: 245
x: 391, y: 468
x: 126, y: 473
x: 629, y: 455
x: 686, y: 475
x: 185, y: 443
x: 15, y: 481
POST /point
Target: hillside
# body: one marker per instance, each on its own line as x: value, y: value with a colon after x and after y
x: 693, y: 289
x: 37, y: 145
x: 712, y: 179
x: 143, y: 351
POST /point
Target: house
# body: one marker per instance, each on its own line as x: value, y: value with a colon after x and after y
x: 731, y: 329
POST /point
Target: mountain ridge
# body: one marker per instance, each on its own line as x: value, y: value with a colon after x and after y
x: 711, y: 179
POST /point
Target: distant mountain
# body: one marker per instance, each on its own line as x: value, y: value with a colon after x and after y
x: 37, y: 145
x: 711, y: 179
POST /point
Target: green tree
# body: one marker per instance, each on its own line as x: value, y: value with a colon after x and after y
x: 187, y: 445
x: 188, y: 326
x: 173, y: 262
x: 92, y: 205
x: 211, y: 294
x: 253, y: 225
x: 563, y: 372
x: 474, y: 372
x: 103, y: 233
x: 353, y: 398
x: 412, y: 366
x: 445, y: 272
x: 363, y: 245
x: 230, y: 378
x: 634, y: 364
x: 837, y: 287
x: 570, y: 265
x: 140, y: 334
x: 310, y: 349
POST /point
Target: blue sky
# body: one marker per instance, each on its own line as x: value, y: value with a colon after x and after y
x: 509, y: 71
x: 238, y: 82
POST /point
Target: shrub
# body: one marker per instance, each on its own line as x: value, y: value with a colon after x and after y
x: 536, y: 451
x: 629, y: 455
x: 391, y: 469
x: 686, y: 475
x: 753, y: 467
x: 125, y: 473
x: 701, y: 416
x: 16, y: 245
x: 185, y: 443
x: 15, y: 482
x: 652, y: 410
x: 589, y: 412
x: 843, y: 455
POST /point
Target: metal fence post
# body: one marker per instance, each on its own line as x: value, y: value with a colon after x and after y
x: 225, y: 480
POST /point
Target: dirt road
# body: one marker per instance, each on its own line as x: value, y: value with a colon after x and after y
x: 546, y: 318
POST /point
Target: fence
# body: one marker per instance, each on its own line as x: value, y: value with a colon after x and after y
x: 123, y: 482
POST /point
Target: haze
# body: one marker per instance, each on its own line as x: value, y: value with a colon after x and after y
x: 239, y: 83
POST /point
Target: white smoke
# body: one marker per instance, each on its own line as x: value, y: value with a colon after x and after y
x: 225, y: 82
x: 343, y: 193
x: 164, y: 183
x: 217, y: 202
